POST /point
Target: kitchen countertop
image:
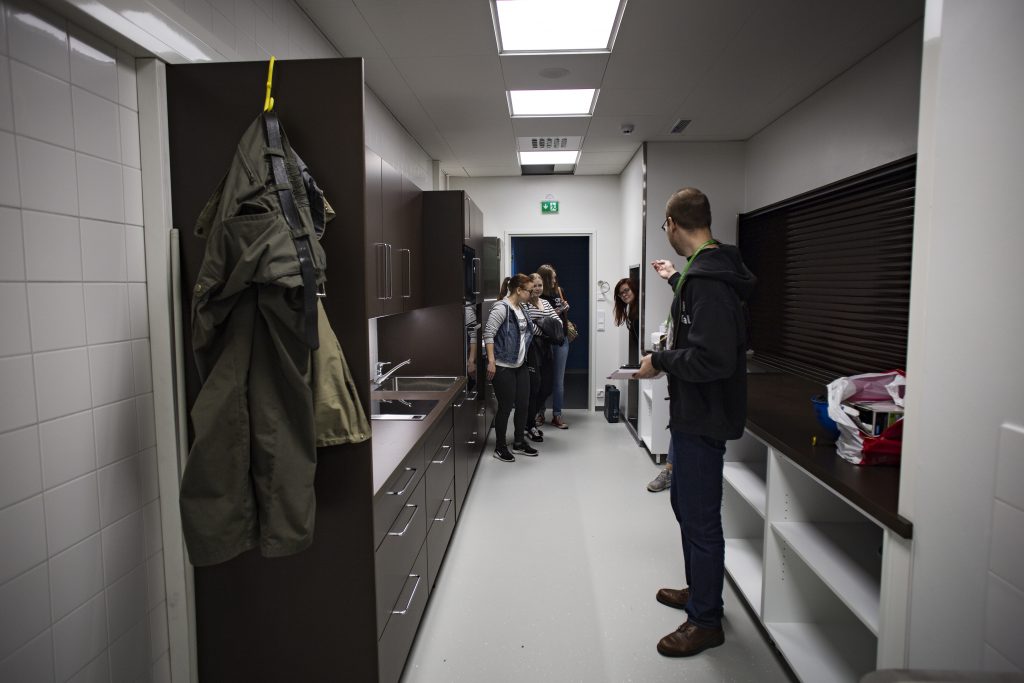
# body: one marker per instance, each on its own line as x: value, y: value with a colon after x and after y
x: 779, y: 412
x: 393, y: 439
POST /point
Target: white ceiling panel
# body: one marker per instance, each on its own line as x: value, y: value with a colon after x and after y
x: 484, y: 171
x: 483, y: 148
x: 731, y: 66
x: 606, y: 158
x: 609, y: 128
x: 543, y: 72
x: 340, y: 21
x: 634, y: 102
x: 554, y: 125
x: 596, y: 169
x: 431, y: 28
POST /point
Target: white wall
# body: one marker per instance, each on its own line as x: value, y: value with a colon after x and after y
x: 587, y: 204
x: 81, y: 568
x: 864, y: 118
x: 716, y: 169
x: 631, y: 190
x: 965, y: 374
x: 82, y: 573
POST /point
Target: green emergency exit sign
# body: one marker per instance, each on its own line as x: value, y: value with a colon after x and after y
x: 548, y: 207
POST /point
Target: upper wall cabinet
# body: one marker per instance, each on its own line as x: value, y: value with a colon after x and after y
x: 451, y: 221
x: 394, y: 255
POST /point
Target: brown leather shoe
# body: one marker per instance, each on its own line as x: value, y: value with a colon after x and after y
x: 690, y: 639
x: 673, y: 597
x: 556, y: 421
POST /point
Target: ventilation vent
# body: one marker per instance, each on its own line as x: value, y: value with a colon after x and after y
x: 679, y: 126
x: 549, y: 143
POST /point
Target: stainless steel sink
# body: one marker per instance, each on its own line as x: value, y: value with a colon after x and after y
x: 400, y: 409
x: 420, y: 383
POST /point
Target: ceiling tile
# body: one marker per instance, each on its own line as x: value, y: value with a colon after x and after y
x: 635, y: 102
x: 554, y: 125
x: 609, y: 129
x: 344, y: 25
x: 523, y: 72
x: 482, y: 171
x: 431, y: 28
x: 599, y: 170
x: 731, y: 66
x: 605, y: 158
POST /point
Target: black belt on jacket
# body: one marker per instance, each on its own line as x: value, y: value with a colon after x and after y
x: 291, y: 215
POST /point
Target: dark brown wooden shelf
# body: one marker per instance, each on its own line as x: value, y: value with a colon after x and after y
x: 779, y: 412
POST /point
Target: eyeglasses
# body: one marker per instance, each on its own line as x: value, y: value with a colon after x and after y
x: 664, y: 226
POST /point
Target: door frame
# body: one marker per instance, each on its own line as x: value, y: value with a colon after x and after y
x: 506, y: 265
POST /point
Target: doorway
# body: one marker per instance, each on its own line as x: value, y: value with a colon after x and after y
x: 570, y: 256
x: 633, y: 358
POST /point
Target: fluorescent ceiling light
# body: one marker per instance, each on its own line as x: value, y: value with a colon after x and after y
x: 556, y: 25
x: 532, y: 158
x: 552, y: 102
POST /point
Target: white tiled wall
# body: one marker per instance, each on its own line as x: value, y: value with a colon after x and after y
x: 1004, y: 640
x: 81, y: 568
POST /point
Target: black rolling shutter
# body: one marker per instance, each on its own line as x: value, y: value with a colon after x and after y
x: 833, y: 268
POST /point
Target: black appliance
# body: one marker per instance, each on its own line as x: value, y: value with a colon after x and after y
x: 490, y: 263
x: 611, y: 403
x: 472, y: 273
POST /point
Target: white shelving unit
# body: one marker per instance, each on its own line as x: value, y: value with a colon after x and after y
x: 652, y: 417
x: 809, y: 564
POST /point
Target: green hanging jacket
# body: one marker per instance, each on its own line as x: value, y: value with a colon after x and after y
x: 248, y: 481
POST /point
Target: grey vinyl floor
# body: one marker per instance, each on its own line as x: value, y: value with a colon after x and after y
x: 552, y: 571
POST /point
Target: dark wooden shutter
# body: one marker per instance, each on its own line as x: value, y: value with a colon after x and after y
x: 833, y: 269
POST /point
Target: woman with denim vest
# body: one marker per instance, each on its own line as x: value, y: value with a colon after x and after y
x: 507, y: 336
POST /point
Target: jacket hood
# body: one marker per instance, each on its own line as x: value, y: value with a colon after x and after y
x: 725, y: 264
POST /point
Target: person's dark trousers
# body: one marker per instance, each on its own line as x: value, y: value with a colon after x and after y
x: 512, y: 389
x: 547, y: 382
x: 696, y: 495
x: 534, y: 395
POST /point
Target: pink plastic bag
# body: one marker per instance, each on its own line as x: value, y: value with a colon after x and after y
x: 856, y: 444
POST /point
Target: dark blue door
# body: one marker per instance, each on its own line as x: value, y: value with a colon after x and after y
x: 570, y: 257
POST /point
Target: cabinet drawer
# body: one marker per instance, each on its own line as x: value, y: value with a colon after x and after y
x: 398, y: 552
x: 394, y: 645
x: 439, y: 433
x: 440, y: 473
x: 393, y: 496
x: 440, y: 534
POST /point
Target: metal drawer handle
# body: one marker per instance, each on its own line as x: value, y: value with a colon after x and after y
x: 446, y: 510
x: 412, y: 475
x: 471, y: 443
x: 411, y: 595
x: 382, y: 264
x: 407, y: 524
x: 447, y: 450
x: 408, y: 273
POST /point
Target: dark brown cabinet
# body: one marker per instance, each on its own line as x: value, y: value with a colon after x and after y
x: 309, y: 616
x: 451, y: 220
x: 394, y: 255
x: 468, y: 443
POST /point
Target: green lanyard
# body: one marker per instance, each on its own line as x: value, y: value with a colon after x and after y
x: 679, y: 285
x: 686, y: 268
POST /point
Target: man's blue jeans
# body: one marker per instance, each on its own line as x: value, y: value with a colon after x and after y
x: 696, y: 496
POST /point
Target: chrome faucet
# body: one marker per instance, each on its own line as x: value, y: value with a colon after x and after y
x: 383, y: 376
